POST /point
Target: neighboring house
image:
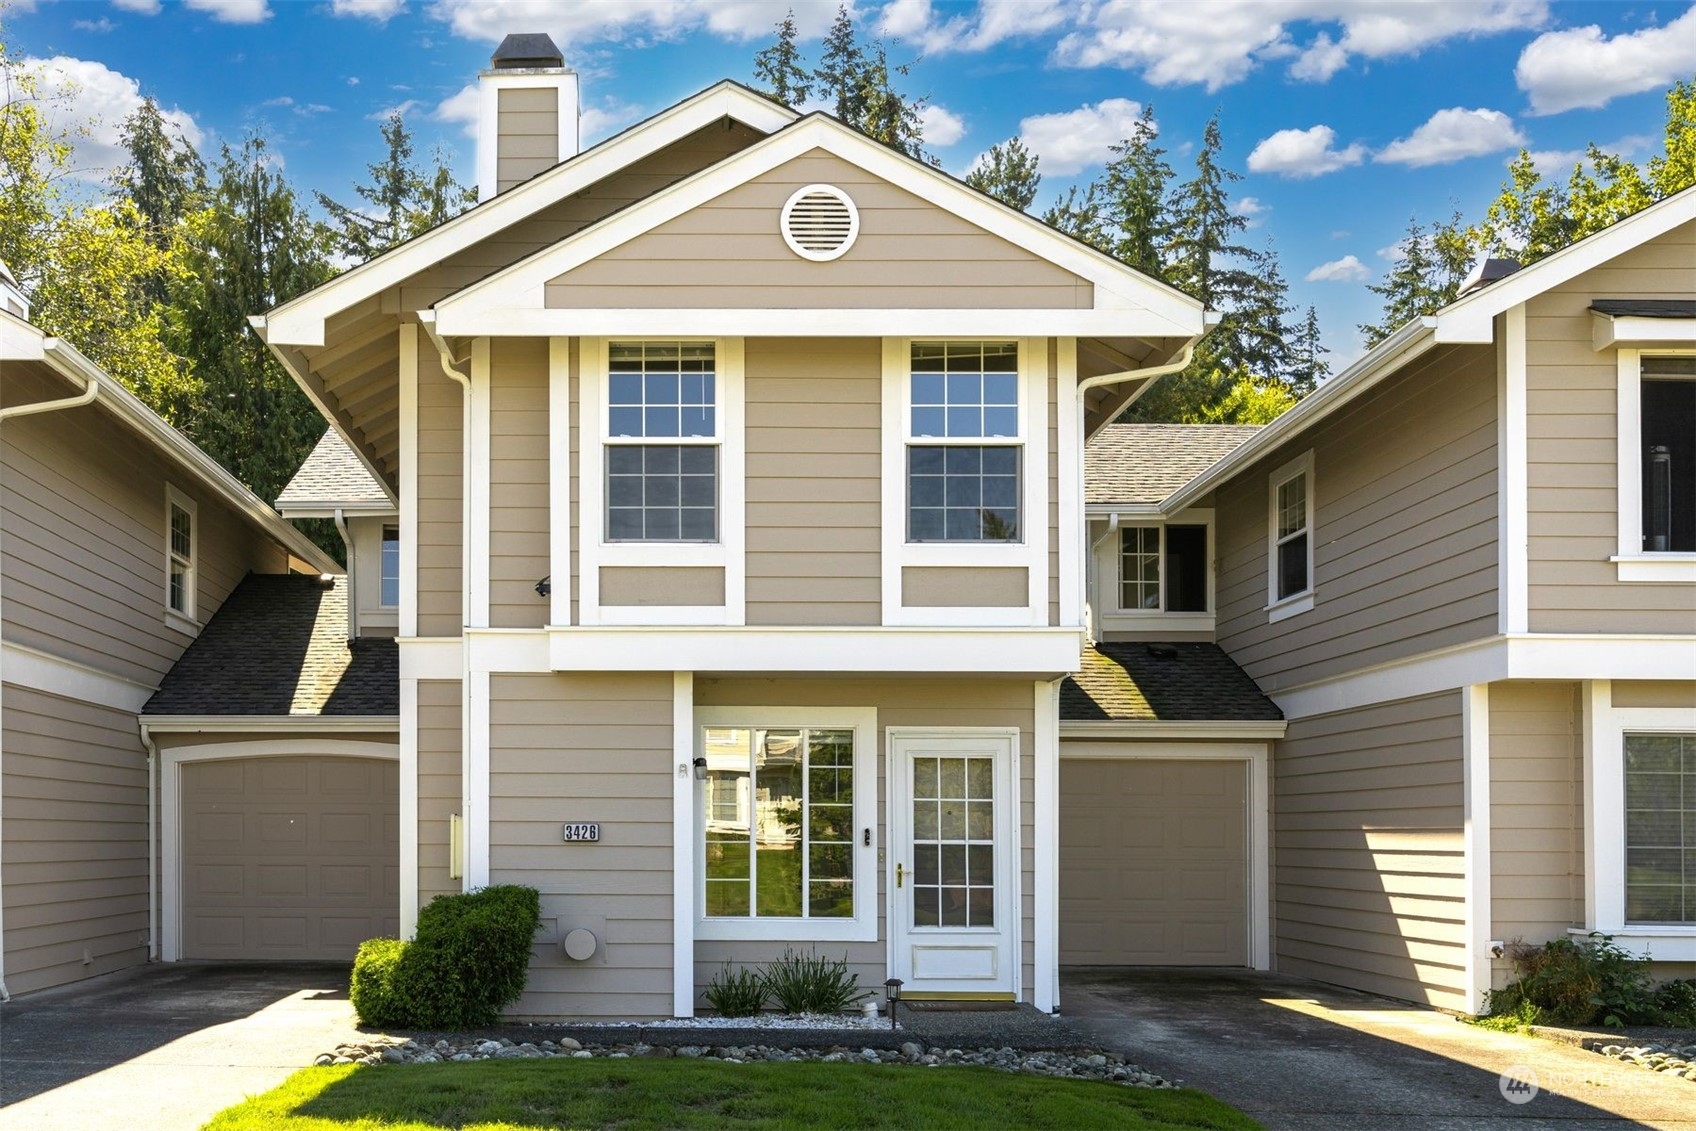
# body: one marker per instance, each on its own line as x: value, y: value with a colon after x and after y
x: 1465, y: 571
x: 121, y: 543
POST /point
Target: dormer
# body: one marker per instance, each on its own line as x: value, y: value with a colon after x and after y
x: 333, y: 484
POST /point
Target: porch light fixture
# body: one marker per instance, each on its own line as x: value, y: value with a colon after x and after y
x: 891, y: 995
x: 700, y: 769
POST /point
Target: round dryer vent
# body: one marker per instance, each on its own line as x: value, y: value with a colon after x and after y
x: 820, y: 223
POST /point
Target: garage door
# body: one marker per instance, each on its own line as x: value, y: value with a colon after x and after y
x: 1153, y: 863
x: 289, y: 858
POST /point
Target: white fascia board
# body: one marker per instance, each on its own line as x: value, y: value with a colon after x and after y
x: 1471, y: 319
x: 300, y: 322
x: 19, y: 341
x: 431, y: 657
x: 529, y: 318
x: 1144, y: 307
x: 1208, y: 729
x: 1580, y: 656
x: 1389, y: 355
x: 65, y: 358
x: 319, y: 508
x: 1610, y: 330
x: 269, y: 724
x: 1019, y: 651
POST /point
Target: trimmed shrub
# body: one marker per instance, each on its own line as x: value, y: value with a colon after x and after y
x: 808, y: 983
x: 467, y: 962
x: 739, y: 994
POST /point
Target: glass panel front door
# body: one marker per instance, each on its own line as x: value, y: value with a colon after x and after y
x: 954, y: 842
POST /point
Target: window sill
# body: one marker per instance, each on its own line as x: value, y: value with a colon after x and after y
x: 188, y: 626
x: 786, y: 930
x: 1656, y: 567
x: 1289, y: 607
x: 1662, y: 942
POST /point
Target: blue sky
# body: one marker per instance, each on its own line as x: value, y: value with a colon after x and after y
x: 1344, y: 117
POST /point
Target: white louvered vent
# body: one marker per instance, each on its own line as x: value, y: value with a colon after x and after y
x: 820, y: 223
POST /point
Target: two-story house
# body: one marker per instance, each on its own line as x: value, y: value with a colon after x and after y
x: 120, y: 544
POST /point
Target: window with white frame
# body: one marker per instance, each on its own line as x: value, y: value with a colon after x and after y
x: 964, y: 448
x: 662, y: 448
x: 785, y: 808
x: 1660, y: 828
x: 181, y: 548
x: 388, y: 583
x: 1290, y: 531
x: 1667, y: 467
x: 1163, y: 568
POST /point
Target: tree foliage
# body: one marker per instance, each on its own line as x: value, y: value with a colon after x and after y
x: 401, y: 199
x: 1008, y: 172
x: 778, y: 68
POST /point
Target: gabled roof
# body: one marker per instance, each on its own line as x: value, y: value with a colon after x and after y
x: 511, y: 300
x: 333, y: 478
x: 278, y: 646
x: 1143, y: 682
x: 1141, y: 464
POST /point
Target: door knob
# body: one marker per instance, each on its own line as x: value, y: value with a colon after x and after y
x: 900, y: 870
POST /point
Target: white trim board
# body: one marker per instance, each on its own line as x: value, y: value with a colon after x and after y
x: 268, y: 724
x: 1475, y: 816
x: 1045, y: 852
x: 1512, y: 477
x: 1034, y: 651
x: 683, y: 845
x: 1632, y: 562
x: 22, y: 666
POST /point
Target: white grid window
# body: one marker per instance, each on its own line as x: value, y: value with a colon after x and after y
x: 1292, y: 543
x: 388, y: 585
x: 662, y: 442
x: 963, y: 473
x: 1660, y: 828
x: 180, y: 553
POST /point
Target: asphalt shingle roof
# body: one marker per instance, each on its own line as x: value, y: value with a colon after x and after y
x: 331, y: 474
x: 278, y: 646
x: 1144, y: 463
x: 1146, y: 682
x: 1646, y: 307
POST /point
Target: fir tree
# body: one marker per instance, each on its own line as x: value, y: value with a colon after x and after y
x: 779, y: 69
x: 1080, y: 215
x: 401, y: 200
x: 841, y: 65
x: 1308, y: 366
x: 1008, y: 172
x: 1134, y: 204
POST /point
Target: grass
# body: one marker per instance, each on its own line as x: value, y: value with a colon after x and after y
x: 636, y: 1094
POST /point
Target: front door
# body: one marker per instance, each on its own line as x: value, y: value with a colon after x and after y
x: 951, y: 810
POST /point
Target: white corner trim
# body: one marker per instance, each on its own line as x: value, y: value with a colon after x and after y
x: 22, y: 666
x: 1513, y: 479
x: 476, y: 798
x: 683, y: 845
x: 1073, y: 533
x: 1475, y: 816
x: 171, y: 762
x: 408, y: 807
x: 479, y: 471
x: 1045, y: 851
x: 408, y: 624
x: 559, y: 480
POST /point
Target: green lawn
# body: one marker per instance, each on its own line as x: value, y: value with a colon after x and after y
x: 630, y: 1094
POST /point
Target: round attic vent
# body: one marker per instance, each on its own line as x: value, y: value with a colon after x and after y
x: 820, y: 223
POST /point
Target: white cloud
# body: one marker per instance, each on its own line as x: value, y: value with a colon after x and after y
x: 1348, y: 269
x: 1220, y: 42
x: 942, y: 127
x: 1304, y: 153
x: 463, y: 107
x: 913, y: 21
x: 606, y: 119
x: 99, y: 27
x: 1559, y: 162
x: 233, y: 11
x: 1581, y: 67
x: 1253, y: 210
x: 82, y: 94
x: 1073, y: 140
x: 401, y: 108
x: 380, y: 11
x: 573, y: 22
x: 1453, y: 135
x: 142, y: 7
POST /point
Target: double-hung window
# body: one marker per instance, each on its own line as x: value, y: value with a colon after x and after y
x: 181, y: 552
x: 964, y: 449
x: 1290, y: 537
x: 1668, y: 454
x: 1660, y: 828
x: 663, y: 439
x: 1163, y: 568
x: 388, y: 578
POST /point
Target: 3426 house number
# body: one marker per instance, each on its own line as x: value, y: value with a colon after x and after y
x: 590, y: 830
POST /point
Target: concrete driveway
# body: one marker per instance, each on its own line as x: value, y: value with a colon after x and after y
x: 1301, y: 1055
x: 165, y: 1047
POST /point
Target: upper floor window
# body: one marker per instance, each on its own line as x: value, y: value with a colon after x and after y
x: 1668, y: 454
x: 181, y: 551
x: 964, y: 449
x: 1163, y: 568
x: 662, y: 449
x: 1290, y: 536
x: 388, y: 586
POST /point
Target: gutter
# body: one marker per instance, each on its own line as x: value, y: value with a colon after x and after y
x: 152, y: 749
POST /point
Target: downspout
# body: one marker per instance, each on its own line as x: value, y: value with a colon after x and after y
x: 352, y: 587
x: 91, y: 389
x: 152, y: 749
x: 1089, y: 564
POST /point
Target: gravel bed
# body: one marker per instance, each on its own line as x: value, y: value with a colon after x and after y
x: 1109, y: 1067
x: 1664, y: 1057
x: 757, y: 1021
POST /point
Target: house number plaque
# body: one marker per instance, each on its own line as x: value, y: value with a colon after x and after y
x: 583, y: 831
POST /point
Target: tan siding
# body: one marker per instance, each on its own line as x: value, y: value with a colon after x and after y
x: 729, y: 253
x: 438, y: 783
x: 75, y: 852
x: 662, y: 585
x: 1405, y: 529
x: 813, y: 427
x: 913, y: 701
x: 1654, y: 693
x: 1571, y: 437
x: 82, y: 503
x: 527, y: 135
x: 968, y: 586
x: 1536, y: 813
x: 518, y: 481
x: 1369, y: 875
x: 441, y: 466
x: 591, y: 748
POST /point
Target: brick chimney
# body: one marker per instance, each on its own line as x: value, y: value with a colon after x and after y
x: 528, y: 113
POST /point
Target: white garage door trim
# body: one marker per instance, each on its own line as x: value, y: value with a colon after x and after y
x: 1255, y: 757
x: 170, y: 805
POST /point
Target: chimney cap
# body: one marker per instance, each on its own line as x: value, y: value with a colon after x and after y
x: 526, y: 50
x: 1489, y: 270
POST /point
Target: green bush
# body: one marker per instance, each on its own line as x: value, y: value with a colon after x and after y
x: 807, y: 983
x: 1578, y: 983
x: 739, y: 994
x: 1676, y: 1004
x: 466, y: 963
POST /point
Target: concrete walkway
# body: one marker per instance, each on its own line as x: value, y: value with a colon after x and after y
x: 163, y: 1048
x: 1300, y: 1055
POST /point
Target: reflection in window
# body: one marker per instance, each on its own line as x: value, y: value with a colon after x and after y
x: 963, y: 459
x: 1660, y: 828
x: 662, y: 442
x: 1668, y: 390
x: 954, y: 842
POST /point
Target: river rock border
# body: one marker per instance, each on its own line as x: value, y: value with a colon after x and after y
x: 1669, y: 1059
x: 1105, y: 1066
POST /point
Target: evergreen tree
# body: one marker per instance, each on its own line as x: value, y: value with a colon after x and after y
x: 1081, y: 216
x: 1203, y: 257
x: 1308, y: 366
x: 1008, y: 172
x: 1133, y: 192
x: 860, y: 83
x: 401, y: 201
x: 164, y: 178
x: 778, y: 67
x: 840, y: 68
x: 1426, y: 275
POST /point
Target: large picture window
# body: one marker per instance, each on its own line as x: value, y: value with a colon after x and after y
x: 1660, y: 828
x: 662, y: 451
x: 964, y: 450
x: 1668, y: 391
